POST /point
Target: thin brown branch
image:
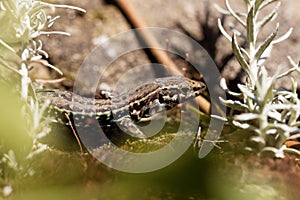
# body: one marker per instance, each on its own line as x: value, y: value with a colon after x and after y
x: 74, y: 132
x: 157, y: 52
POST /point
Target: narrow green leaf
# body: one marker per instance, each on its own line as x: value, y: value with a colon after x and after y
x: 250, y: 26
x: 291, y: 70
x: 274, y: 115
x: 245, y: 53
x: 283, y: 37
x: 271, y: 152
x: 246, y: 117
x: 258, y: 4
x: 292, y: 151
x: 222, y: 30
x: 223, y: 84
x: 269, y: 17
x: 294, y: 86
x: 265, y: 87
x: 260, y: 50
x: 7, y: 46
x: 225, y: 88
x: 245, y: 126
x: 238, y: 54
x: 285, y: 107
x: 247, y: 2
x: 234, y: 14
x: 236, y: 105
x: 258, y: 139
x: 280, y: 126
x: 64, y: 6
x: 266, y: 3
x: 265, y: 55
x: 247, y: 92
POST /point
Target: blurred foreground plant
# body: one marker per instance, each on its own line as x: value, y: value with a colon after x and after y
x: 21, y: 22
x: 265, y: 117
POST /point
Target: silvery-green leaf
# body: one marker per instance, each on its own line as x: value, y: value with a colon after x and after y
x: 223, y: 84
x: 258, y: 4
x: 293, y: 117
x: 11, y: 160
x: 233, y: 13
x: 285, y: 107
x: 41, y: 148
x: 235, y: 94
x: 258, y: 139
x: 293, y: 151
x: 223, y: 31
x: 245, y: 53
x: 272, y: 131
x: 294, y: 88
x: 260, y: 50
x: 249, y: 149
x: 272, y: 152
x: 245, y: 126
x: 219, y: 118
x: 265, y: 86
x: 283, y: 127
x: 274, y: 115
x: 283, y: 37
x: 284, y: 94
x: 239, y: 56
x: 265, y: 55
x: 269, y: 17
x: 246, y: 116
x: 265, y: 3
x: 296, y: 124
x: 247, y: 2
x: 247, y: 92
x: 237, y: 105
x: 250, y: 26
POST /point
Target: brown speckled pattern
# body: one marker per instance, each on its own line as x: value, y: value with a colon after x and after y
x: 162, y: 92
